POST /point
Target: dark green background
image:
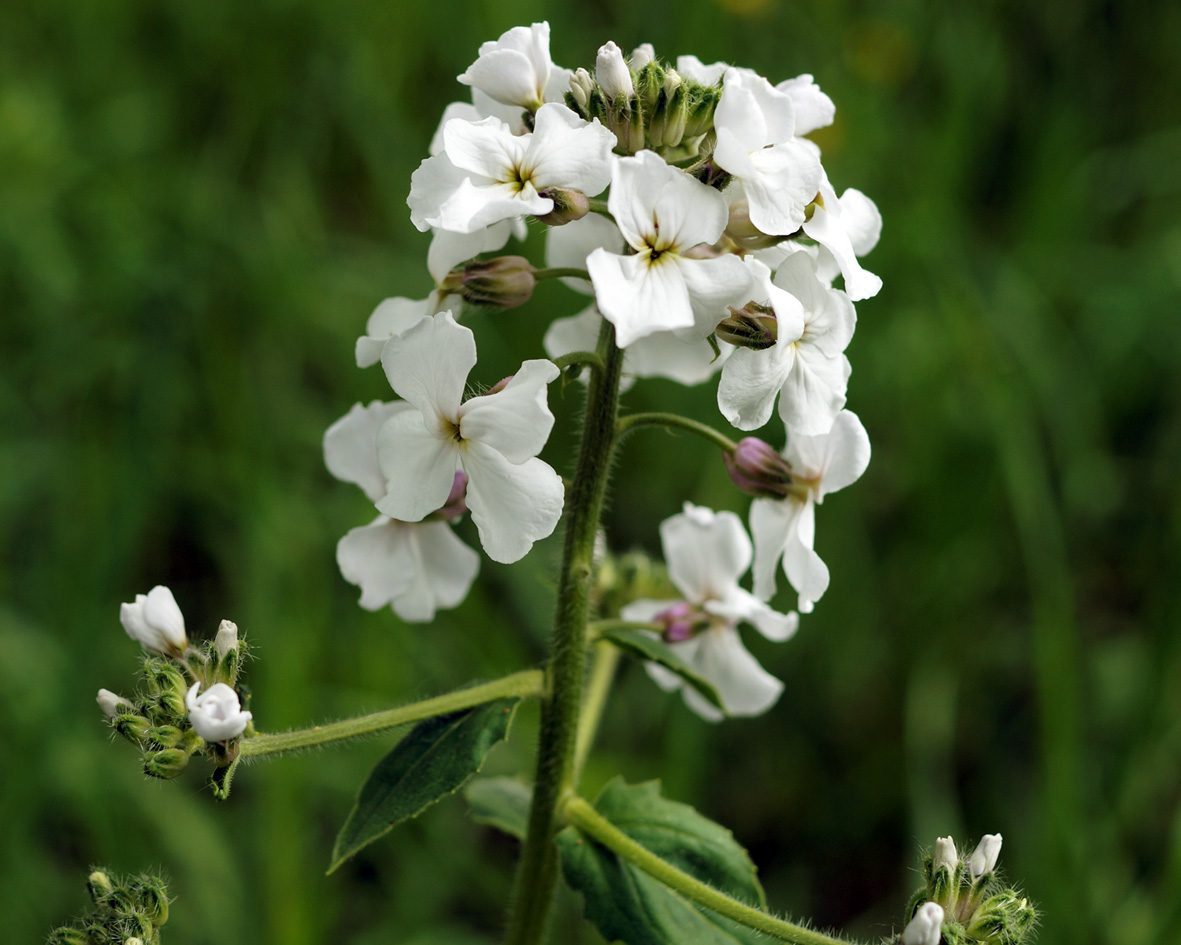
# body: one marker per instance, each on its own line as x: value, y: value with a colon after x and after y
x: 200, y: 203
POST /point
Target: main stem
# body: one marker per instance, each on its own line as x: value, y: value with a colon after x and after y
x: 538, y: 870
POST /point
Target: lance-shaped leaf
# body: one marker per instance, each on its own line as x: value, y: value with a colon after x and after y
x: 432, y: 761
x: 502, y: 803
x: 647, y: 647
x: 627, y: 904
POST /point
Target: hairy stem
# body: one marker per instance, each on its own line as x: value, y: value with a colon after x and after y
x: 538, y: 870
x: 530, y: 682
x: 583, y: 358
x: 591, y: 822
x: 675, y: 421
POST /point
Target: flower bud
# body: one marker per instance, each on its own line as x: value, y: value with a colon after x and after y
x: 226, y: 639
x: 944, y: 863
x: 641, y: 56
x: 581, y: 87
x: 166, y: 764
x: 926, y: 926
x: 1005, y: 918
x: 681, y: 622
x: 68, y: 936
x: 667, y: 127
x: 100, y: 887
x: 133, y: 727
x: 112, y: 704
x: 166, y: 736
x: 944, y: 855
x: 569, y: 205
x: 153, y: 899
x: 743, y: 232
x: 163, y: 676
x: 505, y: 282
x: 649, y: 83
x: 455, y: 506
x: 758, y: 470
x: 752, y: 326
x: 702, y: 103
x: 155, y: 620
x: 983, y: 860
x: 612, y: 73
x: 216, y: 714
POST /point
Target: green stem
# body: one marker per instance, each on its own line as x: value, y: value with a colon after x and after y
x: 530, y: 682
x: 599, y: 627
x: 597, y: 690
x: 600, y: 207
x: 674, y: 421
x: 538, y: 870
x: 589, y: 358
x: 591, y: 822
x: 560, y: 272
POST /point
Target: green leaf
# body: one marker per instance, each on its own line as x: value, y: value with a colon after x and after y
x: 502, y: 803
x: 646, y: 646
x: 628, y: 905
x: 433, y: 760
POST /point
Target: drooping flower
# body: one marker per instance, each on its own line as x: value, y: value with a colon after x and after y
x: 707, y: 553
x: 757, y: 144
x: 514, y: 497
x: 805, y: 367
x: 847, y: 227
x: 155, y: 620
x: 485, y: 173
x: 414, y: 567
x: 663, y: 213
x: 786, y: 528
x: 216, y: 715
x: 516, y: 69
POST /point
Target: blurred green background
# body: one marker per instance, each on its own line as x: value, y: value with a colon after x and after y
x: 200, y: 203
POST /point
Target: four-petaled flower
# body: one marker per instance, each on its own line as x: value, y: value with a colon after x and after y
x: 216, y: 715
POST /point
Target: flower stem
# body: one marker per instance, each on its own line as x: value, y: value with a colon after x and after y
x: 591, y: 822
x: 586, y: 358
x: 600, y: 207
x: 560, y: 272
x: 557, y: 740
x: 675, y: 421
x: 530, y: 682
x: 597, y: 690
x: 599, y: 627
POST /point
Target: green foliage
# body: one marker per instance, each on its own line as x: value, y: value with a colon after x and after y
x: 627, y: 904
x: 435, y: 759
x: 502, y: 803
x: 645, y: 646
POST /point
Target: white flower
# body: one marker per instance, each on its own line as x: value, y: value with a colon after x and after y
x: 926, y: 926
x: 983, y: 859
x: 756, y: 143
x: 707, y: 553
x: 516, y: 69
x: 641, y: 56
x: 944, y: 856
x: 111, y: 703
x: 514, y: 497
x: 216, y: 715
x: 415, y: 568
x: 486, y: 173
x: 813, y: 109
x: 806, y: 366
x: 847, y: 228
x: 155, y: 621
x: 663, y: 213
x: 612, y: 73
x: 226, y: 639
x: 787, y: 528
x: 707, y: 74
x: 481, y: 106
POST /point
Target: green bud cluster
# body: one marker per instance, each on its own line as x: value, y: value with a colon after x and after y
x: 156, y: 719
x: 978, y: 910
x: 667, y: 112
x: 126, y: 910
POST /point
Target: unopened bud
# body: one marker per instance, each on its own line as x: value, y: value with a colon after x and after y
x: 68, y: 936
x: 112, y: 704
x: 703, y: 102
x: 167, y: 707
x: 649, y: 83
x: 743, y: 232
x: 667, y: 127
x: 641, y: 56
x: 944, y: 863
x: 1005, y: 918
x: 758, y: 470
x: 134, y: 941
x: 100, y: 887
x: 752, y: 326
x: 926, y: 926
x: 155, y: 620
x: 166, y: 764
x: 506, y: 281
x: 612, y: 73
x: 166, y: 736
x: 133, y: 727
x: 681, y: 622
x: 983, y: 860
x: 226, y: 639
x: 581, y: 86
x: 455, y: 507
x: 153, y: 898
x: 944, y: 855
x: 569, y: 205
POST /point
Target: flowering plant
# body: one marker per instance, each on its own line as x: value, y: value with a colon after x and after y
x: 687, y: 201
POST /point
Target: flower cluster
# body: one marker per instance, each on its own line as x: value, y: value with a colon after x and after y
x: 127, y: 911
x: 687, y: 202
x: 189, y: 701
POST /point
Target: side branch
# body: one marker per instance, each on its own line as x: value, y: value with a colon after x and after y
x: 583, y: 816
x: 530, y: 682
x: 674, y: 421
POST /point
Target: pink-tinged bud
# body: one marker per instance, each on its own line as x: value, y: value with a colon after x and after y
x: 455, y: 506
x: 681, y: 622
x: 752, y: 326
x: 504, y: 282
x: 743, y: 232
x: 758, y: 470
x: 569, y: 205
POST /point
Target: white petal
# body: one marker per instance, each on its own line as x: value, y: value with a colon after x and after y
x: 448, y: 567
x: 706, y: 552
x: 713, y: 285
x: 565, y: 151
x: 644, y: 610
x: 666, y: 354
x: 707, y: 74
x: 431, y: 185
x: 861, y: 220
x: 515, y: 68
x: 805, y: 571
x: 639, y: 297
x: 750, y: 382
x: 755, y: 112
x: 350, y: 446
x: 813, y: 108
x: 657, y: 205
x: 786, y: 180
x: 418, y: 465
x: 448, y: 249
x: 837, y: 458
x: 512, y: 505
x: 569, y: 246
x: 377, y: 558
x: 485, y: 149
x: 742, y: 606
x: 516, y: 420
x: 814, y: 391
x: 577, y: 333
x: 428, y: 365
x: 464, y: 111
x: 163, y: 615
x: 391, y: 317
x: 745, y: 688
x: 826, y: 229
x: 471, y: 206
x: 772, y: 524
